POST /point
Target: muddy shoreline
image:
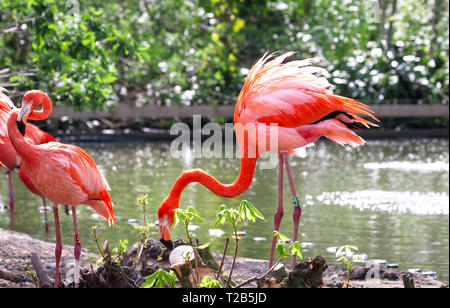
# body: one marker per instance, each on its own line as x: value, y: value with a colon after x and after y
x: 17, y: 248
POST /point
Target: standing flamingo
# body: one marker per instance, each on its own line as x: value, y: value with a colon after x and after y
x: 64, y: 174
x: 288, y: 97
x: 8, y: 156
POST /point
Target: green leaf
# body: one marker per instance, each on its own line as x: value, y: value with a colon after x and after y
x: 159, y: 279
x: 281, y: 250
x: 150, y: 281
x: 339, y: 251
x: 280, y: 236
x: 295, y: 250
x: 203, y: 246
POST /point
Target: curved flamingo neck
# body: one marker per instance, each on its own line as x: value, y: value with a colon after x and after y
x: 241, y: 184
x: 22, y: 147
x: 40, y: 98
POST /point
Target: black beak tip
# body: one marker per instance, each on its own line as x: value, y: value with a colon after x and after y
x: 168, y: 244
x: 21, y: 127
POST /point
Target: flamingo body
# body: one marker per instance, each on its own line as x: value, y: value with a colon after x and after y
x: 289, y: 96
x: 66, y: 174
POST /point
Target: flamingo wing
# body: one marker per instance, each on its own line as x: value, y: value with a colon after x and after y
x: 290, y: 95
x: 71, y: 177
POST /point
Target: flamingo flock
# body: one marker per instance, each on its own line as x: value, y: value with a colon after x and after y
x: 277, y: 93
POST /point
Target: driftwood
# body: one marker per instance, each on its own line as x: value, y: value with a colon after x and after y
x: 307, y: 274
x: 8, y: 275
x: 408, y: 282
x: 42, y: 278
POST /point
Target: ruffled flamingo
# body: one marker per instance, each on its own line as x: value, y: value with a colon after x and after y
x: 64, y: 174
x: 9, y: 159
x: 299, y: 108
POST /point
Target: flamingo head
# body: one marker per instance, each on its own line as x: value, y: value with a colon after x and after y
x: 165, y: 217
x: 30, y: 102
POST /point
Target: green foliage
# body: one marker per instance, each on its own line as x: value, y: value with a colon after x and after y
x: 281, y: 248
x: 121, y: 248
x: 198, y: 52
x: 144, y: 230
x: 344, y: 254
x: 159, y: 279
x: 186, y: 215
x: 209, y: 283
x: 234, y: 216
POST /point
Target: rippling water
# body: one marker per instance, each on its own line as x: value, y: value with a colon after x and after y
x: 389, y: 198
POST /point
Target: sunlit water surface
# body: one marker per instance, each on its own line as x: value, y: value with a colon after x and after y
x: 388, y: 198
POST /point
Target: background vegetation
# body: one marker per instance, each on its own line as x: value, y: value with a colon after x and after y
x: 198, y: 52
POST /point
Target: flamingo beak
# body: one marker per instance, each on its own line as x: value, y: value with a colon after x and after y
x: 164, y: 236
x: 24, y: 112
x: 22, y: 127
x: 23, y: 116
x: 168, y: 244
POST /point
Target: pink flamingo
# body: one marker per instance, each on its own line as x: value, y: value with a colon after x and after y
x: 64, y: 174
x: 300, y: 109
x: 9, y: 159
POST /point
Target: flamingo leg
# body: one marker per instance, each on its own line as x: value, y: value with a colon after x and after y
x: 45, y: 218
x: 295, y: 199
x: 11, y: 200
x: 280, y: 211
x: 77, y: 247
x: 58, y: 248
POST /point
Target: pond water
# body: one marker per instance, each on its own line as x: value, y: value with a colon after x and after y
x: 388, y: 198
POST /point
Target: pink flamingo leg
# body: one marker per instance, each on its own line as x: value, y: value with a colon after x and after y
x: 280, y: 211
x: 297, y: 209
x: 45, y: 218
x: 11, y: 200
x: 58, y: 249
x: 77, y: 247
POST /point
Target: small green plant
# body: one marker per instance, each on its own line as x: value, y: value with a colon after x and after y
x: 346, y: 258
x: 209, y: 283
x: 144, y: 230
x: 29, y: 270
x: 121, y: 248
x: 186, y: 216
x: 96, y: 240
x: 234, y: 217
x: 159, y: 279
x: 281, y: 248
